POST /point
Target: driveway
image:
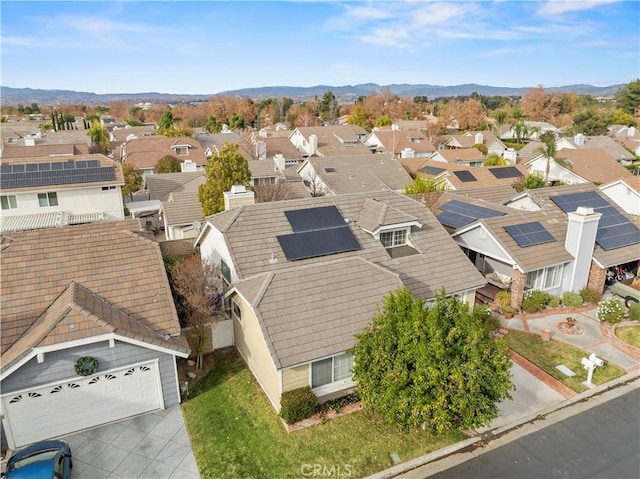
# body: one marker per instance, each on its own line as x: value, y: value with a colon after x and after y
x: 154, y: 445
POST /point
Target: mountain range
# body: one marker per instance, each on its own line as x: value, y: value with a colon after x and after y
x: 345, y: 94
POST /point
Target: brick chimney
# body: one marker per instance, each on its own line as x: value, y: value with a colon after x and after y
x: 580, y: 241
x: 238, y: 196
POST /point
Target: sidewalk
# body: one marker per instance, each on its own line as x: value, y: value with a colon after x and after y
x: 537, y: 394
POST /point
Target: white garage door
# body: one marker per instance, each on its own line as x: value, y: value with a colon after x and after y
x: 61, y: 408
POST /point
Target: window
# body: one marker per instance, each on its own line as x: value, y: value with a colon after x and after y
x: 332, y: 369
x: 9, y: 202
x: 543, y: 279
x: 393, y: 238
x: 226, y: 272
x: 47, y: 199
x: 236, y: 312
x: 264, y: 181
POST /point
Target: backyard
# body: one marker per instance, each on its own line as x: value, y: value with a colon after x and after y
x: 235, y: 432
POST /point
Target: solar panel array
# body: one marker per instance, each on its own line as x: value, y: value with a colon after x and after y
x: 457, y: 214
x: 529, y: 234
x: 317, y: 232
x: 431, y: 170
x: 614, y: 229
x: 54, y: 173
x: 506, y: 172
x: 465, y: 176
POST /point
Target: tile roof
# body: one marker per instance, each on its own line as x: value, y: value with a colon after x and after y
x: 160, y: 186
x: 594, y: 165
x: 113, y: 260
x: 394, y: 141
x: 146, y: 152
x: 280, y: 146
x: 606, y: 143
x: 360, y: 173
x: 331, y: 139
x: 122, y: 134
x: 182, y: 208
x: 482, y: 176
x: 461, y: 155
x: 314, y: 310
x: 24, y: 152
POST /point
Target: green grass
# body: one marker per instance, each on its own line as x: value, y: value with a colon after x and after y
x: 236, y: 433
x: 629, y: 334
x: 549, y: 354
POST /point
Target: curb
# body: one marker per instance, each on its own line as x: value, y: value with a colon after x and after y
x: 502, y: 435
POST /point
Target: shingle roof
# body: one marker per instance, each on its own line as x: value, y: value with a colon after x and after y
x: 396, y: 141
x: 112, y: 260
x: 594, y: 165
x: 461, y: 155
x: 183, y: 208
x: 331, y: 139
x: 359, y: 173
x: 146, y: 152
x: 482, y: 176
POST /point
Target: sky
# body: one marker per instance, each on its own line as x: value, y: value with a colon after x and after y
x: 210, y: 47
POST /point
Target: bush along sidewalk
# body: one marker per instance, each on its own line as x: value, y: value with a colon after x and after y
x: 299, y: 408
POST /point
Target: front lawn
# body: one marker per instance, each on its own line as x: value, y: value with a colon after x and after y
x: 549, y: 354
x: 235, y: 433
x: 629, y: 334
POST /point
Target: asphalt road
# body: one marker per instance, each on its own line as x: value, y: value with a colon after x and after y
x: 601, y: 442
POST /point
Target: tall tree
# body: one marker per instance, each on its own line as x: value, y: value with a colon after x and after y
x: 548, y: 151
x: 168, y: 164
x: 436, y: 366
x: 226, y: 169
x: 132, y: 180
x: 628, y: 98
x: 99, y: 138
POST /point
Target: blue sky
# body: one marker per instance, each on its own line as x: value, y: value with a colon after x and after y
x: 208, y: 47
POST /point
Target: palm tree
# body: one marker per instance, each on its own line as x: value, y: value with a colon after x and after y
x: 548, y: 150
x: 520, y: 130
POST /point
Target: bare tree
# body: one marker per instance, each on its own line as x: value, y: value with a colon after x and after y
x: 198, y: 286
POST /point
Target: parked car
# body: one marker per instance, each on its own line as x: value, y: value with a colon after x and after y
x: 45, y: 459
x: 628, y: 289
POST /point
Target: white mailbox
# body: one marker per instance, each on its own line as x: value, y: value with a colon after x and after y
x: 590, y: 364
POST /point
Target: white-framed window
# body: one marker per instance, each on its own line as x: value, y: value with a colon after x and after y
x: 330, y: 370
x: 264, y: 181
x: 9, y: 202
x: 545, y: 278
x: 225, y: 271
x: 393, y: 238
x: 236, y: 312
x: 47, y: 199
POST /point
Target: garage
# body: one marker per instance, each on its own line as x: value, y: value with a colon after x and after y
x: 65, y: 407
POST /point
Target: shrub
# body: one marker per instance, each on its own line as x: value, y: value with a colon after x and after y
x: 571, y: 299
x: 590, y: 295
x: 634, y: 312
x: 610, y: 310
x: 554, y: 302
x: 297, y: 404
x: 503, y: 298
x: 507, y: 310
x: 535, y: 300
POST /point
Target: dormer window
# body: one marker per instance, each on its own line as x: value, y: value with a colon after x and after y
x: 393, y: 238
x: 181, y: 149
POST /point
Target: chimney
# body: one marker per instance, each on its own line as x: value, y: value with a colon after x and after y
x: 238, y: 196
x: 479, y: 139
x: 278, y: 159
x: 313, y: 144
x: 28, y: 141
x: 188, y: 166
x: 579, y: 139
x: 579, y: 242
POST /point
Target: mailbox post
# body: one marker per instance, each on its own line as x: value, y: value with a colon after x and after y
x: 590, y: 364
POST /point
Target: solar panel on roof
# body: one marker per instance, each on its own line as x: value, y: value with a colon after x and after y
x: 454, y: 220
x: 311, y: 244
x: 18, y: 178
x: 81, y: 164
x: 93, y: 163
x: 465, y: 176
x: 431, y: 170
x: 5, y: 168
x: 614, y: 229
x: 457, y: 214
x: 69, y: 165
x: 31, y: 167
x: 310, y: 219
x: 505, y: 172
x: 44, y: 166
x: 18, y: 168
x: 57, y: 166
x: 529, y: 234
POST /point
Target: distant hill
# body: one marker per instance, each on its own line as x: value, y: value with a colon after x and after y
x: 346, y: 93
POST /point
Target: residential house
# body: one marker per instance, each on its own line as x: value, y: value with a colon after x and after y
x: 625, y: 193
x: 573, y: 166
x: 486, y: 138
x: 338, y: 140
x: 96, y: 291
x: 46, y: 192
x: 144, y: 153
x: 118, y: 136
x: 400, y: 143
x: 338, y: 175
x: 603, y: 142
x: 54, y: 144
x: 461, y: 177
x: 464, y: 156
x: 533, y: 131
x: 627, y: 136
x: 565, y: 244
x: 212, y: 143
x: 304, y: 276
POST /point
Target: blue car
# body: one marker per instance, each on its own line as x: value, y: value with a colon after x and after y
x: 45, y: 459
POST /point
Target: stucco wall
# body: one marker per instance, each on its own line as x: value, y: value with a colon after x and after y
x: 296, y: 377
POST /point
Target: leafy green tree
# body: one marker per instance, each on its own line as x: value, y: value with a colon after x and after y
x: 360, y: 116
x: 329, y: 107
x: 166, y: 124
x: 421, y: 185
x: 224, y: 170
x: 236, y: 122
x: 533, y: 181
x: 168, y: 164
x: 132, y: 180
x: 213, y: 125
x: 619, y: 117
x: 590, y: 122
x: 436, y: 366
x: 494, y: 160
x: 134, y: 123
x: 628, y: 97
x: 384, y: 120
x: 99, y: 138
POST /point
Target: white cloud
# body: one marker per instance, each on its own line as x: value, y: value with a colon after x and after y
x: 557, y: 7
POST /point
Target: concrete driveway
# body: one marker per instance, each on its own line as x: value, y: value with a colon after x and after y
x: 155, y: 445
